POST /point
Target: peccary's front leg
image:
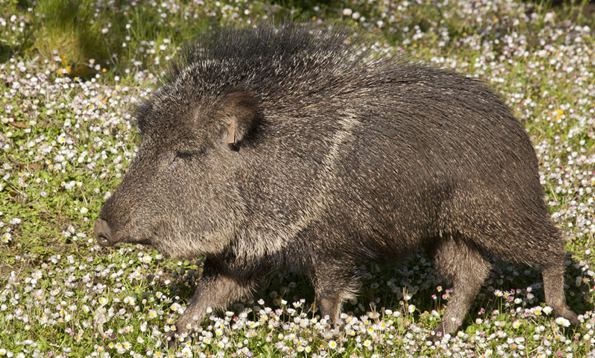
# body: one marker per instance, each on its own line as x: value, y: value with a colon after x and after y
x: 216, y: 289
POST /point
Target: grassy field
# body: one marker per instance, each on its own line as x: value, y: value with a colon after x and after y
x: 70, y: 74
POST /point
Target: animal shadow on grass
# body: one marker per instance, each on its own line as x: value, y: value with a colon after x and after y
x: 397, y: 286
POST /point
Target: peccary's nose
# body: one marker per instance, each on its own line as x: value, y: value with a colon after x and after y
x: 102, y: 232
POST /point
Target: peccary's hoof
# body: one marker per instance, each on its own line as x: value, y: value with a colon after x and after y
x: 574, y: 320
x: 437, y: 335
x: 434, y: 337
x: 338, y: 325
x: 571, y: 317
x: 172, y: 340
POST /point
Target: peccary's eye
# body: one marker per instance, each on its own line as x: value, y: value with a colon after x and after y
x: 187, y: 154
x: 183, y: 154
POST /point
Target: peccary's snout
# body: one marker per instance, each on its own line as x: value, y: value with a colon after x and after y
x: 103, y: 232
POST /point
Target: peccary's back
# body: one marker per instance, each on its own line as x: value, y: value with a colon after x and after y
x: 383, y: 152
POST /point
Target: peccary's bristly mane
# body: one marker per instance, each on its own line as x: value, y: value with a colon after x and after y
x: 261, y: 46
x: 263, y: 59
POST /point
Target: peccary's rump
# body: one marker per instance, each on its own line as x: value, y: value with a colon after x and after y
x: 290, y: 149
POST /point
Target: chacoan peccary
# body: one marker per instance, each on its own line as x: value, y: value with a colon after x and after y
x: 290, y: 149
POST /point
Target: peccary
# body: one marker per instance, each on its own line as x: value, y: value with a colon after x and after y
x: 291, y: 149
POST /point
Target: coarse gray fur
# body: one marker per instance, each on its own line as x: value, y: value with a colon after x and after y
x: 289, y: 149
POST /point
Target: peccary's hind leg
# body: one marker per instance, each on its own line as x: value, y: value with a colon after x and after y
x: 465, y: 267
x: 549, y: 257
x: 333, y: 284
x: 551, y: 262
x: 553, y: 287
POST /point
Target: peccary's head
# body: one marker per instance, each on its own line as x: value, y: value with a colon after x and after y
x: 203, y: 130
x: 178, y: 195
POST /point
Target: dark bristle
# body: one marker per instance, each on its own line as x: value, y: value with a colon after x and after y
x: 263, y: 58
x: 258, y: 47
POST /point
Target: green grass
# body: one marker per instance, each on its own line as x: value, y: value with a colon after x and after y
x: 66, y: 139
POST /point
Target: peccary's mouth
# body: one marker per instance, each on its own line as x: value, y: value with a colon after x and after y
x: 126, y: 240
x: 144, y: 242
x: 108, y: 237
x: 117, y: 240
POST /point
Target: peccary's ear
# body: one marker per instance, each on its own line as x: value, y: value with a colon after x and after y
x: 240, y: 115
